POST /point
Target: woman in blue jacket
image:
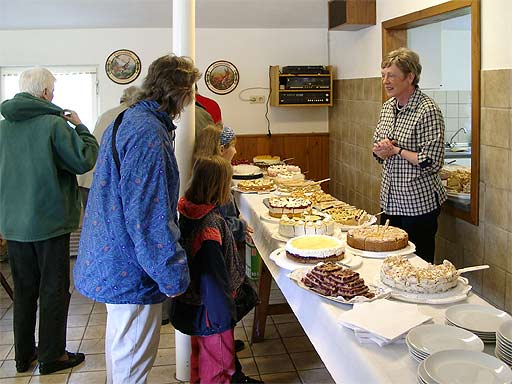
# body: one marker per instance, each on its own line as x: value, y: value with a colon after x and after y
x: 129, y: 255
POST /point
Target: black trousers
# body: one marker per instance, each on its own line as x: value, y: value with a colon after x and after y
x: 421, y: 229
x: 40, y: 270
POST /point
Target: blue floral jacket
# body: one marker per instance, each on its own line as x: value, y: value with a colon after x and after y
x: 129, y: 251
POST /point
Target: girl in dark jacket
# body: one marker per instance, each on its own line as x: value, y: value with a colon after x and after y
x: 207, y: 310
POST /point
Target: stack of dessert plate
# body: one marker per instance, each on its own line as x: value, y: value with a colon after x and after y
x: 463, y: 367
x: 482, y: 320
x: 504, y: 342
x: 426, y: 340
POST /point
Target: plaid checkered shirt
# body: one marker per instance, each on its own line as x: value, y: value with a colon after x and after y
x: 408, y: 189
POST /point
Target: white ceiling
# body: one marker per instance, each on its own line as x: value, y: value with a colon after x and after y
x: 67, y: 14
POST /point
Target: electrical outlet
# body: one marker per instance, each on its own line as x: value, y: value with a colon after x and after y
x: 257, y: 99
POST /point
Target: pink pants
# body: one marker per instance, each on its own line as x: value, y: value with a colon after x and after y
x: 212, y: 358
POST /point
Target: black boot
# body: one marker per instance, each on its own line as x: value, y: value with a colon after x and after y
x: 241, y: 378
x: 239, y: 345
x: 23, y: 366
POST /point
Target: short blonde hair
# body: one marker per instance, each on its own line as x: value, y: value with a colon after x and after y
x: 208, y: 142
x: 36, y: 80
x: 211, y: 181
x: 406, y: 60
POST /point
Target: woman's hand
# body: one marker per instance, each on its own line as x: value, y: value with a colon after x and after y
x: 385, y: 148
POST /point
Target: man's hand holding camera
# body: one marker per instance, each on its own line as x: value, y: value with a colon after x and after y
x: 71, y: 116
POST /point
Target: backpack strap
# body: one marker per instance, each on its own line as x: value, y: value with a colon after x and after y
x: 117, y: 123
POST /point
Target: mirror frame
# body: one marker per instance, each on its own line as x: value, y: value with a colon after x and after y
x: 394, y: 35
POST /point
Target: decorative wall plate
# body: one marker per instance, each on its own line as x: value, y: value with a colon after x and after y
x: 221, y: 77
x: 123, y: 66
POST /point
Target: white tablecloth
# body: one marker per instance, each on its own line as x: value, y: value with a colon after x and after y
x: 347, y: 360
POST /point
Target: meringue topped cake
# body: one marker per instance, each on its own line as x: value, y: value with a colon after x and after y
x: 399, y: 273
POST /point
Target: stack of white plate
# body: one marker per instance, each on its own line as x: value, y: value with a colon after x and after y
x: 504, y: 342
x: 426, y: 340
x: 482, y: 320
x: 463, y: 367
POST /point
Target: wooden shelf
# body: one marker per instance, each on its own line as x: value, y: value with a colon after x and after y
x: 312, y: 94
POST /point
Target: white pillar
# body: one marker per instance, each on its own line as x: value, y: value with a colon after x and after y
x: 183, y: 43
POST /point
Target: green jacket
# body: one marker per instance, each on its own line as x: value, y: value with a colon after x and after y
x: 40, y: 156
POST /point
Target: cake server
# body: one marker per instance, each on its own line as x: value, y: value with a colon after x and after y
x: 319, y: 182
x: 471, y: 269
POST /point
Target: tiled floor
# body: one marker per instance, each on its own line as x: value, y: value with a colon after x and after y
x: 286, y: 356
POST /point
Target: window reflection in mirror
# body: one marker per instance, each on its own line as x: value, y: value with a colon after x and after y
x: 445, y: 51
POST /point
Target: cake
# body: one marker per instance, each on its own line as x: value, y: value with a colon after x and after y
x: 348, y: 215
x: 306, y: 224
x: 314, y: 249
x: 377, y: 238
x: 331, y: 279
x: 399, y: 273
x: 265, y: 161
x: 276, y: 170
x: 257, y: 185
x: 290, y: 178
x: 246, y: 170
x: 279, y: 206
x: 284, y: 173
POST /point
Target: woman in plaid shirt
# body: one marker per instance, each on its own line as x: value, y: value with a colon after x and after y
x: 409, y: 142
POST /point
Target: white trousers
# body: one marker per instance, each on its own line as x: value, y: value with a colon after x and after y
x: 131, y: 341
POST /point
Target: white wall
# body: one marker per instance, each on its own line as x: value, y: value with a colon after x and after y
x: 445, y: 55
x: 426, y: 42
x: 456, y: 60
x: 358, y: 54
x: 252, y: 51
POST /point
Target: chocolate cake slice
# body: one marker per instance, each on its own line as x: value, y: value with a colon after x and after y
x: 330, y: 279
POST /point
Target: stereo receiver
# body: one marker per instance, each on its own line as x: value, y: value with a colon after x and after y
x: 304, y: 97
x: 307, y: 82
x: 305, y: 69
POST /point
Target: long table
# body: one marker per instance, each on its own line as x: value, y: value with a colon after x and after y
x: 345, y: 358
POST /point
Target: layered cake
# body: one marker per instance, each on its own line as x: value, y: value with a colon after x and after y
x: 331, y: 279
x: 266, y: 159
x: 306, y: 224
x: 279, y: 206
x: 399, y: 273
x: 314, y: 249
x: 377, y: 238
x: 257, y: 185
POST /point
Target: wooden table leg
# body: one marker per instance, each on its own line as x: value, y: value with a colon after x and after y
x: 263, y: 309
x: 260, y: 312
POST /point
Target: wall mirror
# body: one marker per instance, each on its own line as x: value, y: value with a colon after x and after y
x: 447, y: 38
